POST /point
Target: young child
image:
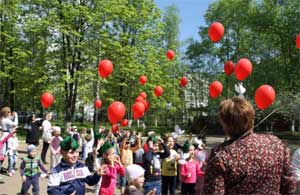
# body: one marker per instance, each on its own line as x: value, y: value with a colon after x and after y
x: 70, y: 175
x: 127, y: 157
x: 29, y: 170
x: 152, y: 164
x: 2, y: 142
x: 12, y: 146
x: 189, y: 171
x: 55, y: 146
x: 83, y: 142
x: 201, y: 156
x: 135, y: 178
x: 169, y: 169
x: 88, y: 143
x: 111, y: 166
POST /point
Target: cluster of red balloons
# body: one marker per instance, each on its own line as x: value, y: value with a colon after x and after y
x: 140, y: 106
x: 105, y: 68
x: 216, y: 31
x: 183, y: 81
x: 98, y: 103
x: 47, y: 100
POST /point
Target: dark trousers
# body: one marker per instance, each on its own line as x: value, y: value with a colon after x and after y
x: 188, y: 188
x: 168, y: 184
x: 44, y: 151
x: 34, y: 181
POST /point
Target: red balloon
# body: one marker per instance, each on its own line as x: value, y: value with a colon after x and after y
x: 229, y: 68
x: 137, y: 115
x: 170, y: 54
x: 47, y: 100
x: 215, y: 89
x: 264, y: 96
x: 115, y: 128
x: 143, y: 79
x: 98, y: 104
x: 143, y: 94
x: 138, y: 107
x: 139, y: 99
x: 148, y: 105
x: 124, y: 122
x: 183, y: 81
x: 158, y: 91
x: 298, y: 41
x: 243, y: 69
x: 105, y: 68
x: 216, y: 31
x: 116, y: 111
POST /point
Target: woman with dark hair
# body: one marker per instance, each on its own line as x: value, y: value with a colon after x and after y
x: 32, y: 126
x: 248, y: 163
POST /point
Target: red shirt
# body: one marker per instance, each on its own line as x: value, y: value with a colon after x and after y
x: 254, y: 164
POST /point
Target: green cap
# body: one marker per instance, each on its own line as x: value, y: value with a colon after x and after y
x: 69, y: 143
x: 106, y: 146
x: 185, y: 147
x: 152, y: 138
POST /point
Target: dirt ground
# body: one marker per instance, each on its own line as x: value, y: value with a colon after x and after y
x: 12, y: 185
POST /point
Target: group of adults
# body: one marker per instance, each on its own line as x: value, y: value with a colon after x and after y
x: 33, y: 125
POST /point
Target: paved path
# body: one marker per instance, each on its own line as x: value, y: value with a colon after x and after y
x: 12, y: 185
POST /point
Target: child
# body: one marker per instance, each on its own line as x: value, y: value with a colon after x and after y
x: 88, y: 143
x: 111, y: 166
x: 55, y: 146
x: 13, y: 144
x: 152, y: 164
x: 83, y: 141
x: 201, y: 156
x: 169, y: 169
x: 189, y: 171
x: 70, y: 175
x: 127, y: 157
x: 2, y: 142
x: 135, y: 178
x: 30, y: 171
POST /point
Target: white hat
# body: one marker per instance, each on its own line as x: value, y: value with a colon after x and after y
x: 133, y: 172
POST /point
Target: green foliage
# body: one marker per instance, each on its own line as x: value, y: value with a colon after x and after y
x: 262, y: 31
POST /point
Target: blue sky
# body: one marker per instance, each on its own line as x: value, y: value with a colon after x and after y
x: 191, y: 15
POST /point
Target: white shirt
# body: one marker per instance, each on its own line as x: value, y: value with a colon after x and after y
x: 7, y: 124
x: 296, y: 164
x: 13, y: 144
x: 47, y: 130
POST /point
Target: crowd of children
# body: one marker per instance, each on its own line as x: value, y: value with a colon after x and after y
x: 107, y: 160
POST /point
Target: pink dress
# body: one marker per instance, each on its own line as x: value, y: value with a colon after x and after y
x: 109, y: 180
x: 192, y: 167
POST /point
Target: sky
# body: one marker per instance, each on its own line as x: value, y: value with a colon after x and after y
x: 191, y: 13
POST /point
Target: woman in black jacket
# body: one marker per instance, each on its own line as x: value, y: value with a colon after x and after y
x: 32, y: 126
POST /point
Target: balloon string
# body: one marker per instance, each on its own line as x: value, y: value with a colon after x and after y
x: 267, y: 117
